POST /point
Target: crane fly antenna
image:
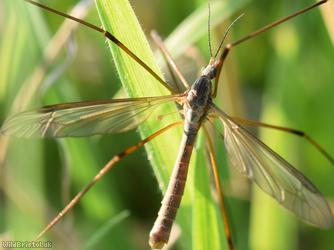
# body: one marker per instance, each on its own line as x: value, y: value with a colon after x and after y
x: 226, y: 33
x: 209, y: 29
x: 269, y: 26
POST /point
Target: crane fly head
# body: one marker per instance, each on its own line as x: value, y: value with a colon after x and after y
x: 211, y: 69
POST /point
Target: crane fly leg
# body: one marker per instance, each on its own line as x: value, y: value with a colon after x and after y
x: 299, y: 133
x: 172, y: 67
x: 108, y: 36
x: 223, y: 210
x: 100, y: 174
x: 269, y: 26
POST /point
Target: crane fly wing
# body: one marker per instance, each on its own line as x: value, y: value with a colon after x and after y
x: 273, y: 174
x: 84, y: 118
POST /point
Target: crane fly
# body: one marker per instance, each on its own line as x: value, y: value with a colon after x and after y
x: 249, y: 155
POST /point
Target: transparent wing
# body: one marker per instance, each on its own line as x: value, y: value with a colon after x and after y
x: 84, y: 118
x: 273, y: 174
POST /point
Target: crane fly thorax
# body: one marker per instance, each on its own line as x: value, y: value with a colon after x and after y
x: 198, y: 98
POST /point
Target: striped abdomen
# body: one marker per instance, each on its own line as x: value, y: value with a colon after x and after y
x: 160, y: 232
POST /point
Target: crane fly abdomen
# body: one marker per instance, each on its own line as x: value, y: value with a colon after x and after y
x: 160, y: 232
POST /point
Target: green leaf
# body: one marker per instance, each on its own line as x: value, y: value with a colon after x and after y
x: 198, y: 216
x: 207, y: 228
x: 120, y: 20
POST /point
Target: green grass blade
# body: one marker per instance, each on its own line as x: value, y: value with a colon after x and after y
x: 21, y: 213
x: 119, y: 19
x: 105, y: 229
x: 207, y: 228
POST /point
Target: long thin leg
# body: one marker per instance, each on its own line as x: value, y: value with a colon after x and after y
x: 100, y: 174
x: 229, y: 46
x: 109, y: 36
x: 174, y: 82
x: 169, y: 58
x: 285, y: 129
x: 219, y: 189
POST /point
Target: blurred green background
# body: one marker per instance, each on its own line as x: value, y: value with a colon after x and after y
x: 283, y: 77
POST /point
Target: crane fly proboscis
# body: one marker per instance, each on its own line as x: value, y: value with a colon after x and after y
x: 249, y: 155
